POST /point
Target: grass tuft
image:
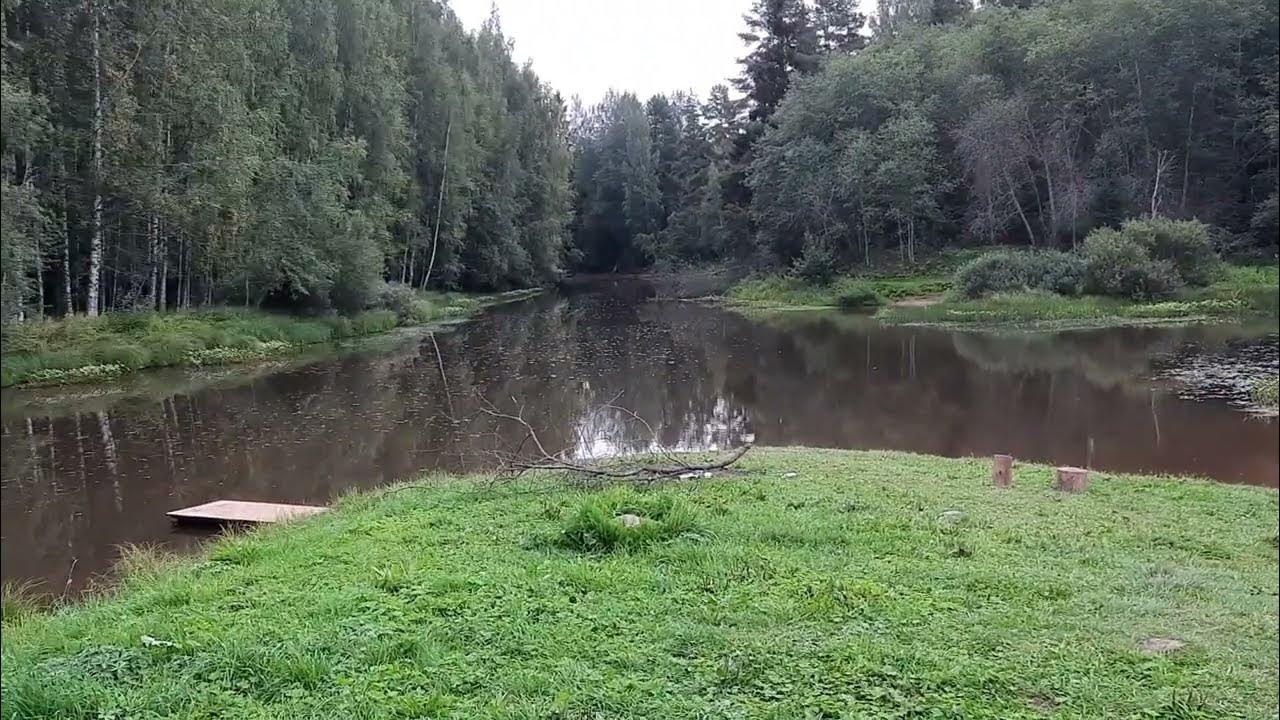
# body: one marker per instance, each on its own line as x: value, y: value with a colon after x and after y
x: 598, y: 524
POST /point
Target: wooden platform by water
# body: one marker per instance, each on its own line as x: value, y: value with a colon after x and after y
x: 241, y: 511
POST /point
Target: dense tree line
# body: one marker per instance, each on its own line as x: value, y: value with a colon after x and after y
x: 290, y: 152
x: 1020, y: 122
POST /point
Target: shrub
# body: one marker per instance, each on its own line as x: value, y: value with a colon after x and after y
x: 1185, y: 244
x: 598, y: 526
x: 1012, y: 271
x: 999, y: 271
x: 857, y: 295
x: 1057, y: 272
x: 1120, y: 265
x: 817, y: 261
x: 402, y: 300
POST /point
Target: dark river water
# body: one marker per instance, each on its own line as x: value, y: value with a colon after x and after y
x: 84, y: 474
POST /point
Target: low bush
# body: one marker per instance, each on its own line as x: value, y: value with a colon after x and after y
x: 855, y: 295
x: 1187, y: 245
x: 817, y: 261
x: 1012, y: 271
x: 401, y: 300
x: 1120, y: 265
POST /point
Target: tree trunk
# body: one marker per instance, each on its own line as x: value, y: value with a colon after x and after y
x: 444, y: 175
x: 1186, y: 154
x: 69, y: 307
x: 95, y: 242
x: 162, y: 294
x: 153, y: 250
x: 1013, y: 193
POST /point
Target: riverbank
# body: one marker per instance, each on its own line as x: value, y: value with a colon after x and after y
x: 1240, y: 291
x: 782, y: 292
x: 81, y: 349
x: 805, y: 582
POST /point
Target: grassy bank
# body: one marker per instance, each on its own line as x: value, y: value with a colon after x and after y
x: 1240, y: 291
x: 810, y: 584
x: 783, y: 292
x: 81, y: 349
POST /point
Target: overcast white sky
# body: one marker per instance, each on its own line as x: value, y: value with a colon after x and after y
x: 584, y: 47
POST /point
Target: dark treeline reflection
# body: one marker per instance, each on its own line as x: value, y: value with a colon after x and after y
x: 79, y: 482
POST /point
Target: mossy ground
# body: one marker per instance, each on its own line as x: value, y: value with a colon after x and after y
x: 807, y: 584
x: 81, y: 349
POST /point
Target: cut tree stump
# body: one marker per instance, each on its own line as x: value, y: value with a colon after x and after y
x: 1002, y: 471
x: 1071, y: 479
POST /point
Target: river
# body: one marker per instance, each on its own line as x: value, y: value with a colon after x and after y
x: 86, y: 470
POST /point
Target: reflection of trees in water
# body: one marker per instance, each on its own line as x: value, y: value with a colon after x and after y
x: 77, y: 484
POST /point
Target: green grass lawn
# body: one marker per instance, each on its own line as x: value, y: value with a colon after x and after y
x: 82, y: 349
x: 811, y: 584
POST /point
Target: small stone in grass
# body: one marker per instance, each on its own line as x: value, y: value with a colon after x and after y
x: 951, y: 517
x: 630, y: 520
x: 1160, y: 645
x: 789, y: 475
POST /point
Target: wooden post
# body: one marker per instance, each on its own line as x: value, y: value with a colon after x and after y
x: 1071, y: 479
x: 1002, y: 471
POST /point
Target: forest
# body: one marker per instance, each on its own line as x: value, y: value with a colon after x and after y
x: 304, y: 154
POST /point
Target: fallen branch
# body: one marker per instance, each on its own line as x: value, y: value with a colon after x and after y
x: 530, y: 454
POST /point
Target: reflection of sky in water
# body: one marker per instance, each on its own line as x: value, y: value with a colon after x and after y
x: 613, y: 431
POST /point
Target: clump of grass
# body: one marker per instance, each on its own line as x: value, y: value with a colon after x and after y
x: 19, y: 601
x: 600, y: 523
x: 1266, y: 392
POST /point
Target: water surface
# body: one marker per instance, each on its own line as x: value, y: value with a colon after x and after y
x: 82, y: 477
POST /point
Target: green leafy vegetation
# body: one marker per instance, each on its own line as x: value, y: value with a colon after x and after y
x: 80, y: 349
x: 867, y: 584
x: 284, y: 153
x: 1266, y: 392
x: 790, y: 292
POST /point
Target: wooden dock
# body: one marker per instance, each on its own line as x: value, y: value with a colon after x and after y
x: 240, y: 511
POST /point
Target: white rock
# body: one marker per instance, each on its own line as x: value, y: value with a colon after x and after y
x: 630, y: 520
